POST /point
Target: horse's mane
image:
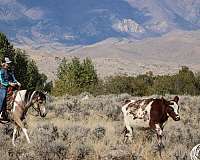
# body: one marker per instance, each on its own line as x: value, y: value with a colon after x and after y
x: 28, y: 95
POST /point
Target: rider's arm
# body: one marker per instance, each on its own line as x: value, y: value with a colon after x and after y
x: 14, y: 79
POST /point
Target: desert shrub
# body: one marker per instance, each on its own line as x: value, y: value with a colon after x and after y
x: 181, y: 153
x: 47, y: 132
x: 82, y: 151
x: 99, y: 137
x: 61, y: 110
x: 99, y: 132
x: 52, y: 150
x: 75, y: 133
x: 117, y: 154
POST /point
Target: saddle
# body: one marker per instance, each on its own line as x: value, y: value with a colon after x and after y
x: 10, y: 98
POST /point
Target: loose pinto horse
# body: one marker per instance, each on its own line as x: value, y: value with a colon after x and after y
x: 22, y: 101
x: 151, y: 113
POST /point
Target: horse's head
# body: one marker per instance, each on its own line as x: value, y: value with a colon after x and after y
x: 173, y: 108
x: 39, y: 101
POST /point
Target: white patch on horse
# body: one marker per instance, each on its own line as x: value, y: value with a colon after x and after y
x: 144, y: 113
x: 124, y: 108
x: 19, y: 98
x: 142, y: 103
x: 158, y: 129
x: 148, y: 109
x: 174, y: 106
x: 32, y: 96
x: 140, y: 113
x: 43, y: 110
x: 13, y: 138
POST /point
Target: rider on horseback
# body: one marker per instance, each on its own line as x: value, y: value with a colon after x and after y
x: 7, y: 79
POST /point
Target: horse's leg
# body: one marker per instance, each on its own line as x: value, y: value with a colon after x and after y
x: 159, y: 131
x: 129, y: 133
x: 14, y: 133
x: 159, y: 134
x: 124, y: 132
x: 21, y: 125
x: 26, y: 134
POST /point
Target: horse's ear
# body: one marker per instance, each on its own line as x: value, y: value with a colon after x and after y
x: 176, y: 99
x: 127, y: 101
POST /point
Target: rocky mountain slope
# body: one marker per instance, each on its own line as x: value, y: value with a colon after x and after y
x: 121, y: 36
x: 162, y: 55
x: 75, y: 22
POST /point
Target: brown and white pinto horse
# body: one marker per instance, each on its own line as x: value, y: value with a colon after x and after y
x: 151, y: 113
x: 22, y: 101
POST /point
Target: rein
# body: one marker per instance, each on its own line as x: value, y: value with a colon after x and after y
x: 37, y: 110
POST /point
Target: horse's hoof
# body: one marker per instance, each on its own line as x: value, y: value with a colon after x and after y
x: 158, y: 147
x: 161, y: 146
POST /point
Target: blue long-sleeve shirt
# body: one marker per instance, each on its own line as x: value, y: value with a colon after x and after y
x: 6, y: 77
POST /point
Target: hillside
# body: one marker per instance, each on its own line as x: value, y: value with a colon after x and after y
x: 78, y: 22
x: 121, y: 36
x: 163, y: 55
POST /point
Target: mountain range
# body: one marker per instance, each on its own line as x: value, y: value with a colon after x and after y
x: 83, y: 22
x: 121, y: 36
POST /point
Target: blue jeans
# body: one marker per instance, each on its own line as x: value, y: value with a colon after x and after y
x: 3, y: 92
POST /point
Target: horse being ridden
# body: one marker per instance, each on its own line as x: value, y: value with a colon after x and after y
x: 24, y: 99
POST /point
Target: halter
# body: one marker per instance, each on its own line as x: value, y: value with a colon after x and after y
x: 36, y: 109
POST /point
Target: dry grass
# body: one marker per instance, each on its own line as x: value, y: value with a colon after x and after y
x: 91, y: 129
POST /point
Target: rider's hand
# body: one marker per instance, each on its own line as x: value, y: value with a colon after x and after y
x: 19, y: 84
x: 12, y: 84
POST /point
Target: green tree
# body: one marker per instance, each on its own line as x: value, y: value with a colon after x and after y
x: 89, y: 78
x: 25, y: 70
x: 185, y: 82
x: 75, y: 77
x: 163, y: 85
x: 6, y: 49
x: 119, y: 84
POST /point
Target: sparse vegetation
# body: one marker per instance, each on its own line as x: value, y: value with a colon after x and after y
x: 85, y: 130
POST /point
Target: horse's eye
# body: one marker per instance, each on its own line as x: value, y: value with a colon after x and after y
x: 40, y: 102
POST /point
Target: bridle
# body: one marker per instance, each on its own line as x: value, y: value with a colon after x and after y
x: 37, y: 102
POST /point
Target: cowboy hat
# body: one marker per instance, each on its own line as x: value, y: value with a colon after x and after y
x: 7, y: 60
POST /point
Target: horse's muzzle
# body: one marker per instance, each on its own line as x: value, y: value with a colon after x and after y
x: 177, y: 118
x: 43, y: 114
